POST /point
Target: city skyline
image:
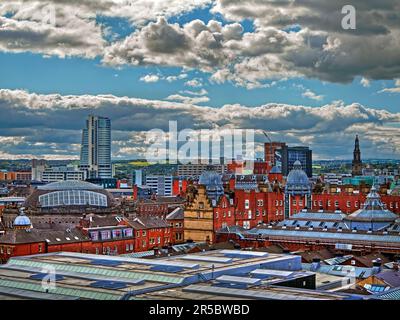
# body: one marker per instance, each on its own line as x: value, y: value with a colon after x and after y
x: 206, y: 64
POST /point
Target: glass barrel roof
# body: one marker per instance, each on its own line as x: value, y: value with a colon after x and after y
x: 70, y: 185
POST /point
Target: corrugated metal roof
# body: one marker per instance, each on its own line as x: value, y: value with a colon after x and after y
x: 240, y: 280
x: 269, y: 272
x: 392, y: 294
x: 338, y: 260
x: 325, y: 235
x: 206, y: 258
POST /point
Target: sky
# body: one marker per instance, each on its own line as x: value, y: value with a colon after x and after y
x: 287, y: 67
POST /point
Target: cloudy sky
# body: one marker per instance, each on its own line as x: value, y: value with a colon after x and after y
x: 284, y: 66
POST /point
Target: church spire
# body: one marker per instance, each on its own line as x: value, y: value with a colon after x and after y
x: 357, y: 163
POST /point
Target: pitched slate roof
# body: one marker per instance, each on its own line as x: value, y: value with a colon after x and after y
x: 391, y: 277
x: 177, y: 214
x: 143, y: 222
x: 50, y: 236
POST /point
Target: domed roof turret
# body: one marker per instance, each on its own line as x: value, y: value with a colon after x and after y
x: 211, y: 179
x: 297, y: 180
x: 22, y: 221
x: 213, y: 183
x: 373, y: 210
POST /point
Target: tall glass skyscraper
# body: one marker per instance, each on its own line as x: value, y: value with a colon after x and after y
x: 96, y: 148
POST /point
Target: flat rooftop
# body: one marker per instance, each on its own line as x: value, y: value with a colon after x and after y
x: 194, y: 276
x: 87, y: 276
x: 210, y: 292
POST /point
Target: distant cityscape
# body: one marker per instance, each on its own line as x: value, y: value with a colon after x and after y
x: 334, y: 224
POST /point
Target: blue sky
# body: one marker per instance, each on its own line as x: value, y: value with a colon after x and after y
x: 233, y: 57
x: 77, y: 76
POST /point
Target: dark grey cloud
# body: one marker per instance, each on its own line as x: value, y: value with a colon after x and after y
x: 51, y: 124
x: 322, y: 49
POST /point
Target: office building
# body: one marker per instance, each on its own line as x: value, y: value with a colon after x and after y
x: 161, y: 185
x: 38, y: 167
x: 138, y: 177
x: 273, y: 154
x: 281, y: 158
x: 292, y: 154
x: 196, y: 170
x: 64, y: 173
x: 96, y: 148
x: 10, y: 176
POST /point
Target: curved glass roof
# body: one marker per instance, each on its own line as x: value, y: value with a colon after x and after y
x: 73, y: 198
x: 70, y: 185
x: 373, y: 209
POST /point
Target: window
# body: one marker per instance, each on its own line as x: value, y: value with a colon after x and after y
x: 229, y: 214
x: 128, y: 232
x: 116, y: 234
x: 94, y: 235
x: 73, y: 198
x: 105, y: 234
x: 246, y: 204
x: 348, y: 204
x: 336, y: 204
x: 294, y: 202
x: 201, y: 205
x: 257, y: 213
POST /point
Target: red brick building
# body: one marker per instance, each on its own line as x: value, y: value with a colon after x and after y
x: 253, y: 207
x: 176, y: 221
x: 150, y: 233
x: 224, y: 212
x: 243, y: 167
x: 179, y: 186
x: 350, y: 202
